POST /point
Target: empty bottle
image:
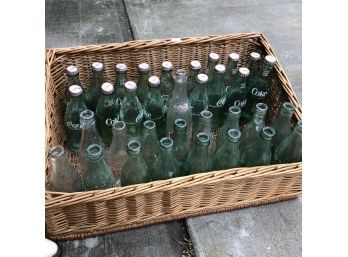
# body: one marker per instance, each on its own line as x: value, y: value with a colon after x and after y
x: 72, y: 73
x: 253, y: 64
x: 107, y: 112
x: 121, y: 78
x: 97, y: 174
x: 150, y: 142
x: 181, y: 147
x: 154, y: 106
x: 194, y: 69
x: 167, y: 82
x: 231, y: 69
x: 231, y: 121
x: 198, y: 159
x: 135, y: 170
x: 165, y: 166
x: 94, y: 91
x: 143, y: 76
x: 217, y: 96
x: 72, y: 117
x: 290, y: 149
x: 204, y: 125
x: 228, y: 155
x: 259, y: 152
x: 213, y: 60
x: 63, y: 176
x: 117, y: 154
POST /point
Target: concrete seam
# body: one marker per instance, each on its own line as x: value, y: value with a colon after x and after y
x: 128, y: 20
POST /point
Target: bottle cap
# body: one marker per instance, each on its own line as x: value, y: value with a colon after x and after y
x: 107, y: 88
x: 267, y: 133
x: 166, y: 142
x: 203, y: 138
x: 180, y: 125
x: 154, y: 81
x: 270, y: 59
x: 72, y: 70
x: 56, y: 152
x: 213, y: 57
x: 244, y: 72
x: 234, y: 57
x: 202, y: 78
x: 233, y: 135
x: 234, y: 110
x: 75, y: 90
x: 220, y: 68
x: 119, y: 125
x: 94, y: 151
x: 262, y: 107
x: 121, y: 67
x: 206, y: 114
x: 180, y: 72
x: 255, y: 56
x: 144, y: 67
x: 86, y: 115
x: 167, y: 66
x: 134, y: 147
x: 195, y: 65
x: 97, y: 66
x: 130, y: 86
x: 149, y: 124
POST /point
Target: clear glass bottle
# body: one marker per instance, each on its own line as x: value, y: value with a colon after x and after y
x: 97, y: 174
x: 179, y: 106
x: 228, y: 155
x: 135, y: 170
x: 143, y: 76
x: 166, y: 165
x: 290, y: 148
x: 89, y: 136
x: 213, y: 60
x: 259, y: 152
x: 167, y: 82
x: 73, y: 78
x: 154, y: 106
x: 107, y: 113
x: 231, y: 69
x: 198, y: 160
x: 194, y: 69
x: 253, y: 64
x: 181, y: 147
x: 150, y: 142
x: 231, y: 121
x: 217, y: 96
x: 63, y: 176
x: 121, y: 78
x: 72, y: 117
x: 94, y: 92
x: 204, y: 125
x: 117, y: 154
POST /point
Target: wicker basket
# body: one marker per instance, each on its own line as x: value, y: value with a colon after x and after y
x: 84, y: 214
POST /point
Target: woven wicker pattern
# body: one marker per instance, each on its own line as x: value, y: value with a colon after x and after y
x: 78, y: 215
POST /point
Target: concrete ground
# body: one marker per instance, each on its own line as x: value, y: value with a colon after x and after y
x: 272, y: 230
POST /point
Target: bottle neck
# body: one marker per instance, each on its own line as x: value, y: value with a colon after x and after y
x: 232, y: 120
x: 76, y: 100
x: 131, y: 96
x: 193, y: 74
x: 74, y: 80
x: 149, y: 132
x: 259, y: 118
x: 265, y: 70
x: 154, y: 92
x: 252, y: 66
x: 166, y: 74
x: 211, y: 65
x: 143, y: 78
x: 204, y: 125
x: 231, y: 68
x: 179, y: 136
x: 88, y: 124
x: 231, y: 146
x: 218, y: 80
x: 180, y: 90
x: 97, y: 74
x: 121, y: 77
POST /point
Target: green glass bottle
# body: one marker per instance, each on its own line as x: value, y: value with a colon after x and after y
x: 73, y: 78
x: 259, y: 152
x: 198, y: 160
x: 181, y: 147
x: 135, y: 170
x: 143, y: 76
x: 253, y: 64
x: 228, y: 155
x: 194, y: 69
x: 72, y: 117
x: 94, y: 91
x: 167, y: 81
x: 63, y: 177
x: 199, y: 98
x: 121, y: 78
x: 165, y: 166
x: 204, y: 125
x: 290, y: 149
x: 231, y: 121
x: 231, y: 69
x: 217, y: 96
x: 150, y: 142
x: 282, y: 124
x: 107, y: 113
x: 154, y: 106
x: 213, y: 60
x: 97, y: 174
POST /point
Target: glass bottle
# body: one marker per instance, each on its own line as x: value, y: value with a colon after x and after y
x: 253, y: 64
x: 94, y: 92
x: 253, y: 128
x: 194, y: 69
x: 204, y: 125
x: 213, y: 60
x: 179, y: 106
x: 290, y: 149
x: 121, y: 78
x: 228, y: 155
x: 117, y: 154
x: 97, y: 174
x: 89, y: 136
x: 282, y: 123
x: 150, y: 142
x: 181, y: 147
x: 106, y: 113
x: 132, y: 111
x: 63, y: 176
x: 135, y: 170
x: 143, y: 76
x: 72, y: 73
x: 72, y: 117
x: 154, y: 106
x: 259, y: 152
x: 217, y: 96
x: 165, y: 166
x: 199, y: 98
x: 231, y: 121
x: 231, y: 69
x: 167, y: 82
